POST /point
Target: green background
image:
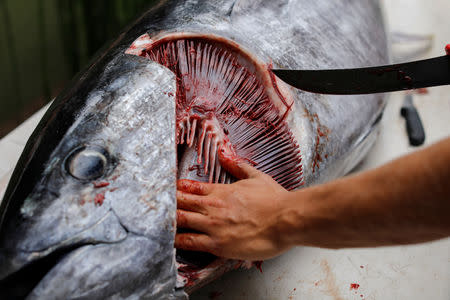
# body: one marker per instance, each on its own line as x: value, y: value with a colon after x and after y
x: 44, y: 43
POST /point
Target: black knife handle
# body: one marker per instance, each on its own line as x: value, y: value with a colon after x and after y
x: 414, y: 125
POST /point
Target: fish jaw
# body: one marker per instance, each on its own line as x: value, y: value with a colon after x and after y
x: 87, y: 220
x: 140, y: 270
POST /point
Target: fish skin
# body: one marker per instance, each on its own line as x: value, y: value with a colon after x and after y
x: 118, y: 103
x: 129, y: 113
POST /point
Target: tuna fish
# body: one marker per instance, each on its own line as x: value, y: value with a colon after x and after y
x: 90, y: 210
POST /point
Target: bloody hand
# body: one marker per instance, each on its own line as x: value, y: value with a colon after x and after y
x: 238, y: 220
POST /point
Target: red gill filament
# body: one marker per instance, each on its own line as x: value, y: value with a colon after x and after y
x: 222, y: 105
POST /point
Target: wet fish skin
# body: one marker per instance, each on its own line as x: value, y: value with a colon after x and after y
x: 123, y: 248
x: 131, y: 115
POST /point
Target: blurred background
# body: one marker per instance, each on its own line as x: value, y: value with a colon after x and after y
x: 44, y: 43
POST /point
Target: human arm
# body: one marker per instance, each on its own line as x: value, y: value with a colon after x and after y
x: 405, y: 201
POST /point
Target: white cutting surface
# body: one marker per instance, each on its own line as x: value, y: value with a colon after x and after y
x: 405, y: 272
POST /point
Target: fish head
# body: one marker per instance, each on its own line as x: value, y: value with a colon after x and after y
x: 90, y: 211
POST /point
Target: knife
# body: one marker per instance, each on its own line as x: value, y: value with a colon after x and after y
x: 389, y: 78
x: 414, y: 127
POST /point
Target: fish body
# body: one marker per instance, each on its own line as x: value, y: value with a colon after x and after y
x: 90, y: 210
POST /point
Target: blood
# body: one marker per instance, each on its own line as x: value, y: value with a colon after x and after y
x: 421, y: 91
x: 194, y: 167
x: 258, y: 265
x: 98, y: 200
x: 101, y: 184
x: 401, y: 75
x: 362, y: 267
x: 354, y: 286
x: 447, y: 49
x: 197, y: 168
x: 317, y: 157
x: 380, y: 72
x: 277, y: 90
x: 190, y: 274
x: 321, y: 134
x: 139, y: 45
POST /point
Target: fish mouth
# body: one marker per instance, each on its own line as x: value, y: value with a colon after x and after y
x: 21, y: 283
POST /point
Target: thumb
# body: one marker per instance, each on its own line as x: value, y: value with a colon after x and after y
x: 236, y: 166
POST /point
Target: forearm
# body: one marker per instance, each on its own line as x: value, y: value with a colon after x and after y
x: 405, y: 201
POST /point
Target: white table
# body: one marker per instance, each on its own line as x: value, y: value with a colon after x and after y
x: 406, y: 272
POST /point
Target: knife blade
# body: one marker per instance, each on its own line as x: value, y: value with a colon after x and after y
x: 388, y: 78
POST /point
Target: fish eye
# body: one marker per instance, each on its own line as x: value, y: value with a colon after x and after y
x: 87, y: 163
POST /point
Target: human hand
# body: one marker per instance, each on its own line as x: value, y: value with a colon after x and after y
x: 238, y: 220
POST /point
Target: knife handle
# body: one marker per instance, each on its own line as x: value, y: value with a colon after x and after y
x: 416, y: 134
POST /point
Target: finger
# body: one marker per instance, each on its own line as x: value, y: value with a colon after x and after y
x: 194, y: 242
x: 194, y: 187
x: 191, y: 220
x: 237, y: 167
x: 190, y: 202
